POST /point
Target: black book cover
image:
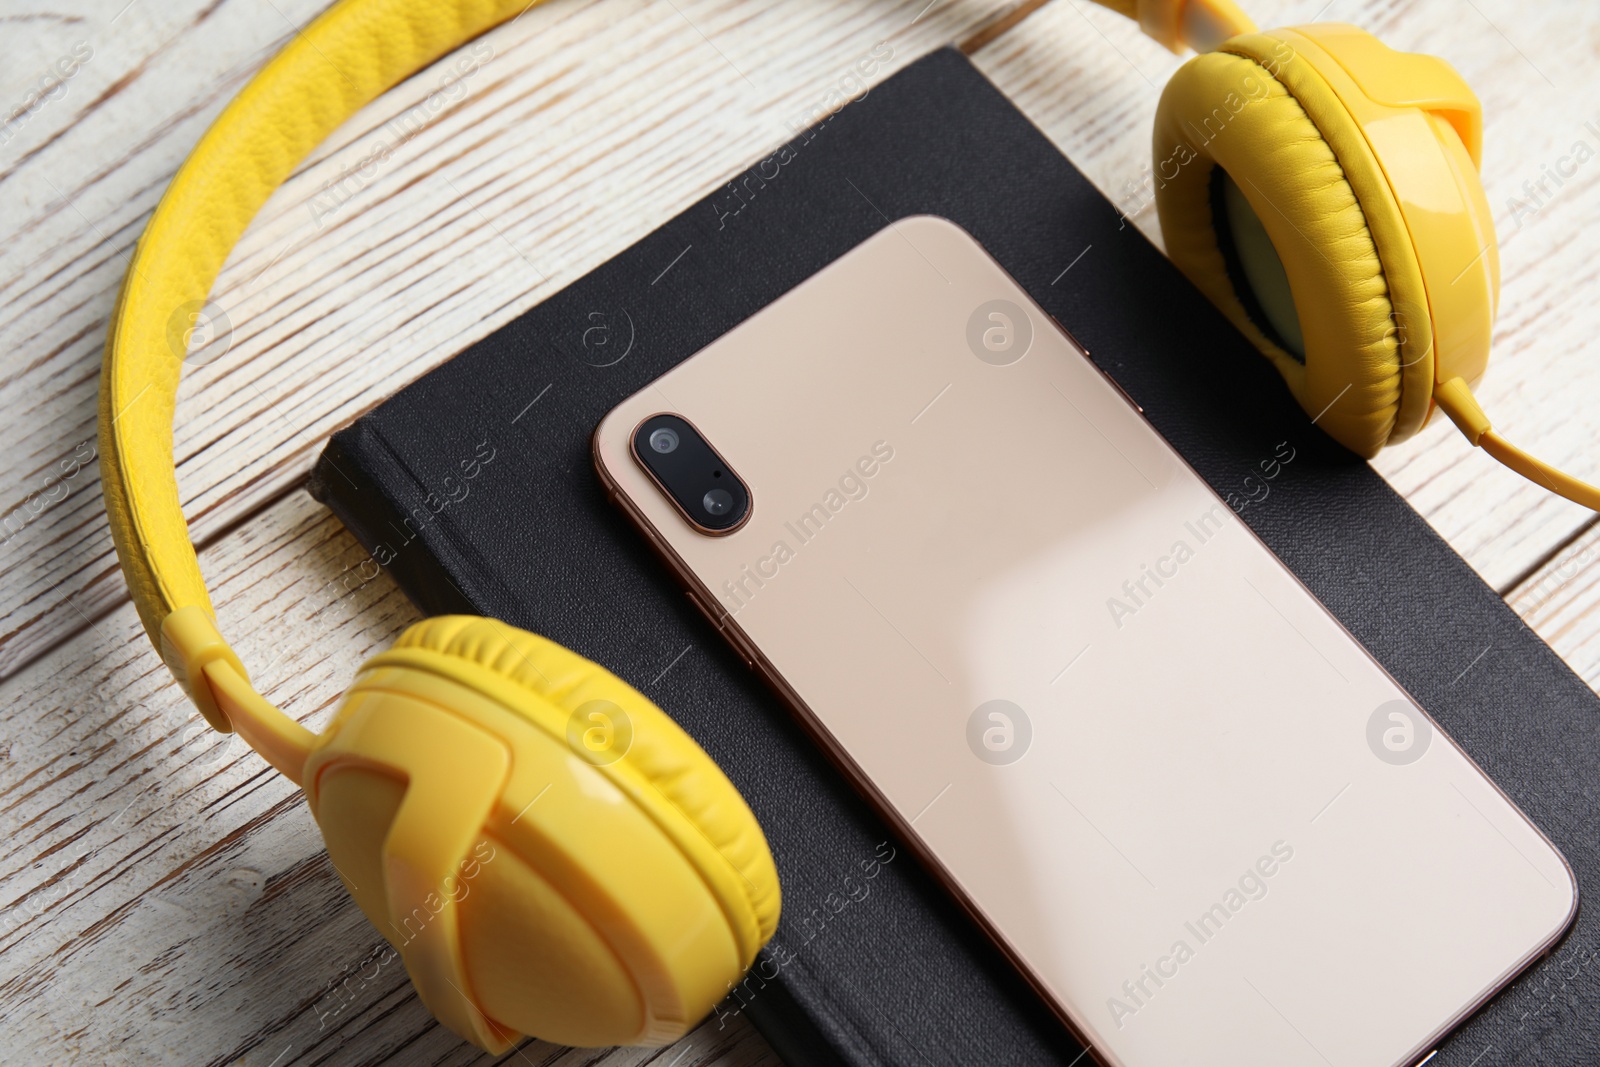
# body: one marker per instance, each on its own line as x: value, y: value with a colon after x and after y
x: 474, y: 488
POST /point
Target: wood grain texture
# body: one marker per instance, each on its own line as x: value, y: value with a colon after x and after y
x: 165, y: 895
x: 1561, y: 601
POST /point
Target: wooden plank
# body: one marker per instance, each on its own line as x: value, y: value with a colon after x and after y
x: 1091, y: 82
x: 449, y: 206
x: 1561, y: 601
x: 166, y: 894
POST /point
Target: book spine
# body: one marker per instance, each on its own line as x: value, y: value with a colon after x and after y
x: 355, y: 477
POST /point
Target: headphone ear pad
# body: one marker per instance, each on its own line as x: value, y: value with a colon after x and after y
x: 1233, y: 114
x: 535, y: 883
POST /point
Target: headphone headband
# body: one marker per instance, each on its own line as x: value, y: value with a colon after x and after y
x: 335, y: 66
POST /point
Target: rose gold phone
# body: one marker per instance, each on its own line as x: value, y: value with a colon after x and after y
x: 1198, y: 816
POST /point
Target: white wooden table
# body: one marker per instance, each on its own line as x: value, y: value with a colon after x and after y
x: 163, y: 895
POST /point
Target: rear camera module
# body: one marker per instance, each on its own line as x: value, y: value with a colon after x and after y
x: 702, y: 487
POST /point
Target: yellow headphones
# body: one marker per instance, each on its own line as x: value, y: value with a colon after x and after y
x: 549, y: 852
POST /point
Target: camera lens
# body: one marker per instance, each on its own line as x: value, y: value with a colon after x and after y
x: 704, y: 490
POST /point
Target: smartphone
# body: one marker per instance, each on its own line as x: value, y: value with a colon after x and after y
x: 1198, y: 816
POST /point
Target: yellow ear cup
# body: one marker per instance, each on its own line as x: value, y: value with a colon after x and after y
x: 551, y: 854
x: 1310, y: 185
x: 1322, y: 190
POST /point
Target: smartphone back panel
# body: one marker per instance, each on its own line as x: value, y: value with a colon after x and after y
x: 1203, y: 821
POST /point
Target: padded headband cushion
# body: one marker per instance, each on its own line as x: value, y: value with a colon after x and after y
x: 351, y: 53
x: 679, y: 772
x: 1326, y: 219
